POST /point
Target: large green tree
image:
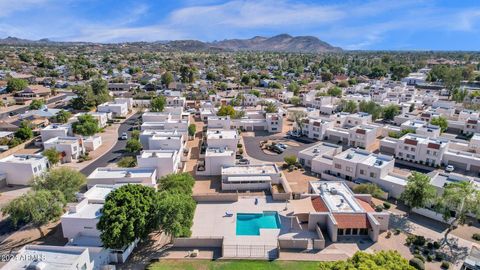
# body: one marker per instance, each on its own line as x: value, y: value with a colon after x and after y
x: 38, y: 208
x: 62, y: 117
x: 15, y: 85
x: 441, y: 122
x: 36, y: 104
x: 226, y: 110
x: 133, y: 146
x: 383, y: 260
x: 390, y: 111
x: 419, y: 192
x: 24, y: 132
x: 157, y: 104
x: 167, y: 78
x: 129, y: 213
x: 349, y: 106
x: 86, y: 125
x: 66, y: 180
x: 176, y: 213
x: 457, y: 201
x: 177, y: 183
x: 52, y: 155
x: 270, y: 107
x: 370, y: 107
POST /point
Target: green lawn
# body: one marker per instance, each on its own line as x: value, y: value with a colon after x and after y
x: 232, y: 265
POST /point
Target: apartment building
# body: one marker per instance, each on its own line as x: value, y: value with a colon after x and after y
x: 216, y: 158
x: 219, y: 122
x: 421, y: 127
x: 363, y: 136
x: 316, y: 128
x: 22, y: 169
x: 311, y: 157
x: 416, y: 148
x: 117, y: 109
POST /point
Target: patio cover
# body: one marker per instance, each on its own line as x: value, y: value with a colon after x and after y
x: 302, y: 206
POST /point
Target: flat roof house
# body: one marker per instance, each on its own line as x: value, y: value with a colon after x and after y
x: 21, y: 169
x: 334, y: 208
x: 70, y: 148
x: 165, y: 161
x: 223, y: 138
x: 117, y: 109
x: 56, y: 130
x: 113, y: 176
x: 52, y: 257
x: 162, y: 140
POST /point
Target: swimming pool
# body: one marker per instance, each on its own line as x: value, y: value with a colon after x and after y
x: 250, y: 224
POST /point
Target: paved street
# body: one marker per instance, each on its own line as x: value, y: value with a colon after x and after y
x: 116, y: 152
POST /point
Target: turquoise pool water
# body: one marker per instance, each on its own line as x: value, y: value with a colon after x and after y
x: 250, y: 224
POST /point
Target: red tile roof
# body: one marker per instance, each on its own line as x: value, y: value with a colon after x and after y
x: 358, y: 221
x: 433, y: 145
x: 365, y: 205
x: 319, y: 205
x: 410, y: 141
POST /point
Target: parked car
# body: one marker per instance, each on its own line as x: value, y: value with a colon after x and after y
x: 293, y: 133
x: 244, y: 161
x: 449, y: 168
x: 238, y: 156
x: 124, y: 136
x: 275, y: 149
x: 283, y: 146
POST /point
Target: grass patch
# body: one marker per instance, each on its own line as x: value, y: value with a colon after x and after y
x: 196, y: 264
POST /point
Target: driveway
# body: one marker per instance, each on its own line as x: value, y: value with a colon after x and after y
x: 117, y: 151
x: 252, y: 147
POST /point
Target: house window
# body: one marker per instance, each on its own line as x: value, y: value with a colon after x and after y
x: 363, y: 231
x: 355, y: 231
x: 348, y: 231
x: 362, y: 172
x: 412, y: 149
x: 372, y: 175
x: 349, y: 169
x: 405, y: 147
x: 428, y: 152
x: 340, y: 231
x: 338, y: 166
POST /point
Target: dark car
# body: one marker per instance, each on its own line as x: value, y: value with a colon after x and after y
x: 244, y: 161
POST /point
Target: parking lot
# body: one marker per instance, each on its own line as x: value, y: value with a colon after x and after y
x: 252, y: 146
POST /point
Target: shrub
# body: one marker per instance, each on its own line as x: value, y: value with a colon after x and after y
x: 429, y: 258
x: 445, y: 265
x: 416, y: 240
x: 476, y: 236
x: 389, y: 234
x: 396, y: 231
x: 420, y: 257
x: 438, y: 256
x: 127, y: 162
x: 239, y: 145
x: 429, y: 245
x: 436, y: 245
x: 379, y: 208
x: 387, y: 205
x: 417, y: 263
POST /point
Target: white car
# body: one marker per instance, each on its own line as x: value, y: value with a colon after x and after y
x: 449, y: 168
x: 124, y: 136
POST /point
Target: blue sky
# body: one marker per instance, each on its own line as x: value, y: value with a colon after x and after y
x: 350, y: 24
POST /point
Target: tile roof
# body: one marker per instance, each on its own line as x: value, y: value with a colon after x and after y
x: 365, y: 205
x: 319, y: 205
x: 359, y: 221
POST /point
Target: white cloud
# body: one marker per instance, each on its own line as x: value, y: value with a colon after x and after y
x: 7, y: 7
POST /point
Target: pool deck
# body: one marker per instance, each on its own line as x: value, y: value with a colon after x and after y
x: 210, y: 220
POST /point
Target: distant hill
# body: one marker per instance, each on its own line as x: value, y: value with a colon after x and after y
x: 279, y: 43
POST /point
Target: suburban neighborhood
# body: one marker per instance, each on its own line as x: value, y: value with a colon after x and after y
x: 226, y: 155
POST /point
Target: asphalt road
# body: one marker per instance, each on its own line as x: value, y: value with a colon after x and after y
x: 24, y: 109
x: 118, y: 150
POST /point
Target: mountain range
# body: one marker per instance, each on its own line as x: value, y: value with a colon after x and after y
x: 279, y: 43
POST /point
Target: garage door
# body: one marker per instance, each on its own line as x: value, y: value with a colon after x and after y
x: 334, y: 139
x: 258, y: 128
x: 457, y: 165
x: 387, y: 150
x: 475, y: 169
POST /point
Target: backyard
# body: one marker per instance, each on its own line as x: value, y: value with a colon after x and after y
x: 231, y: 265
